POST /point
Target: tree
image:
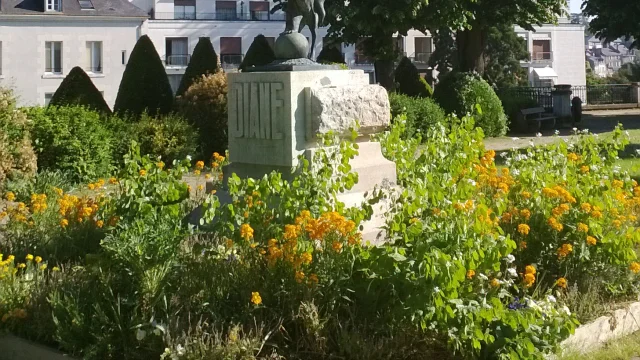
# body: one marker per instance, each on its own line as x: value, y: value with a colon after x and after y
x: 78, y: 89
x: 501, y: 57
x: 372, y: 24
x: 408, y: 80
x: 259, y: 53
x: 613, y: 18
x: 203, y: 61
x: 330, y: 55
x: 144, y: 85
x: 472, y: 21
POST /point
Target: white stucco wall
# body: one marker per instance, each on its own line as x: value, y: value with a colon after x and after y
x: 23, y: 52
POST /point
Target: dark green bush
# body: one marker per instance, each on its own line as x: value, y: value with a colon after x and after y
x: 459, y: 93
x: 409, y: 81
x: 259, y: 53
x: 512, y: 104
x: 421, y: 113
x: 330, y: 55
x: 71, y: 139
x: 78, y: 89
x: 203, y: 61
x: 144, y: 86
x: 168, y: 136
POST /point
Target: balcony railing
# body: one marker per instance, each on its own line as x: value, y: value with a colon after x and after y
x: 421, y: 57
x: 231, y: 61
x: 177, y: 60
x: 220, y: 16
x: 362, y: 59
x: 541, y: 56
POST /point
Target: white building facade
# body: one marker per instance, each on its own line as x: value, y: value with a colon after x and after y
x: 557, y: 54
x: 42, y: 41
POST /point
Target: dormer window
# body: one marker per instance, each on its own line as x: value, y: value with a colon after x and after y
x: 54, y: 5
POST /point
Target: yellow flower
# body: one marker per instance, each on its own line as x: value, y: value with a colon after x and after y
x: 522, y: 245
x: 200, y: 165
x: 91, y: 186
x: 299, y: 277
x: 3, y: 215
x: 635, y: 267
x: 596, y: 214
x: 562, y: 283
x: 565, y: 250
x: 143, y: 172
x: 246, y: 214
x: 246, y: 232
x: 196, y: 172
x: 617, y: 184
x: 572, y: 157
x: 290, y: 232
x: 591, y: 240
x: 313, y: 279
x: 586, y: 207
x: 43, y: 267
x: 529, y: 269
x: 616, y: 223
x: 525, y: 213
x: 255, y: 298
x: 584, y: 169
x: 529, y: 279
x: 10, y: 196
x: 58, y: 191
x: 583, y: 228
x: 200, y: 187
x: 113, y: 181
x: 337, y: 246
x: 555, y: 225
x: 525, y: 194
x: 524, y: 229
x: 495, y: 283
x: 470, y: 274
x: 56, y: 269
x: 306, y: 258
x: 160, y: 165
x: 22, y: 266
x: 38, y: 259
x: 99, y: 224
x: 29, y: 257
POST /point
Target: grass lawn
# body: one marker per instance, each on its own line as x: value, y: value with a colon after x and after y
x: 626, y: 348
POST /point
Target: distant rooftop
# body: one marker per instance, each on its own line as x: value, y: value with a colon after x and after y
x: 118, y: 8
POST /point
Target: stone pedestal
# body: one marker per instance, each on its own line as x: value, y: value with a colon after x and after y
x: 562, y: 101
x: 274, y: 118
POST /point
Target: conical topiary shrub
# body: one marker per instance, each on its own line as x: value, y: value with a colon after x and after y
x: 259, y: 53
x: 204, y: 61
x: 409, y: 81
x: 144, y: 85
x: 78, y: 89
x: 330, y: 55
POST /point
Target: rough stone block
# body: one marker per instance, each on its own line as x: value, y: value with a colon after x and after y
x: 336, y: 108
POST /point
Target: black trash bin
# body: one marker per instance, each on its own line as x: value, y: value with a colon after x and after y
x: 576, y: 110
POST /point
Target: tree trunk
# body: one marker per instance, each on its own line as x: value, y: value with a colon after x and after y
x: 471, y: 45
x: 384, y: 73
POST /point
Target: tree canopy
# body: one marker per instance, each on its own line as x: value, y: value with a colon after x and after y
x: 78, y: 89
x: 614, y: 18
x: 203, y: 61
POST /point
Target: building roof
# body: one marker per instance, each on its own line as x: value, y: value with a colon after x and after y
x: 117, y: 8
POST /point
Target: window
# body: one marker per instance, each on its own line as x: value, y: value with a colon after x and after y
x: 47, y: 98
x: 541, y: 50
x: 54, y: 5
x: 86, y: 4
x: 423, y: 49
x: 259, y: 10
x: 226, y: 10
x: 94, y: 56
x: 184, y: 9
x: 124, y: 57
x: 177, y: 50
x: 53, y: 57
x: 230, y: 51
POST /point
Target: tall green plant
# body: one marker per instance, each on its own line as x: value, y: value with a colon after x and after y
x: 409, y: 80
x: 259, y: 53
x: 203, y: 61
x: 78, y: 89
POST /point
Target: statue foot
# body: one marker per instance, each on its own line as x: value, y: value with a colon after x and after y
x: 286, y: 32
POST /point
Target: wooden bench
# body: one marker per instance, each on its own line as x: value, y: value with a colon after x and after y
x: 531, y: 119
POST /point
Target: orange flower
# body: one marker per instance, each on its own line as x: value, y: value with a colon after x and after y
x: 562, y: 283
x: 200, y: 165
x: 256, y: 299
x: 142, y: 172
x: 565, y: 250
x: 584, y: 169
x: 529, y: 279
x: 471, y: 274
x: 529, y: 269
x: 522, y: 245
x: 523, y: 229
x: 635, y: 267
x: 583, y: 228
x: 494, y: 283
x: 572, y: 157
x: 591, y: 240
x: 299, y: 277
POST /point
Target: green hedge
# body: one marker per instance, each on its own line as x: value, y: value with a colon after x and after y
x: 421, y: 113
x: 78, y: 89
x: 169, y: 137
x: 459, y: 93
x: 408, y: 80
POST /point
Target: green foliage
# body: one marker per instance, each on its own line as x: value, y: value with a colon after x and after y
x: 203, y: 61
x: 144, y: 86
x: 204, y: 105
x: 462, y: 93
x: 421, y: 113
x: 259, y: 53
x: 71, y: 139
x: 408, y: 80
x: 77, y: 89
x: 169, y: 137
x: 330, y: 55
x: 613, y: 20
x: 17, y: 157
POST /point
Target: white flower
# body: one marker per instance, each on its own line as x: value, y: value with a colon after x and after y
x: 626, y: 133
x: 538, y: 134
x: 575, y: 129
x: 436, y: 289
x: 140, y: 334
x: 515, y: 172
x: 189, y: 157
x: 180, y: 349
x: 470, y: 181
x: 551, y: 298
x: 515, y: 138
x: 512, y: 272
x: 566, y: 310
x: 483, y: 276
x: 504, y: 154
x: 557, y: 132
x: 510, y: 258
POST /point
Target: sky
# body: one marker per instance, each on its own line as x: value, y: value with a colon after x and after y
x: 575, y: 6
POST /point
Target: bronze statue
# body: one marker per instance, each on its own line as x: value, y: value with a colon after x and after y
x: 301, y: 13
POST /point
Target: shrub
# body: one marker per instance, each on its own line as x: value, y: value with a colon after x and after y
x: 17, y: 157
x: 259, y: 53
x: 203, y: 61
x: 459, y: 93
x: 408, y: 80
x: 421, y: 113
x: 169, y: 137
x: 144, y: 86
x: 77, y: 89
x: 204, y: 106
x: 330, y: 55
x: 71, y: 139
x: 512, y: 105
